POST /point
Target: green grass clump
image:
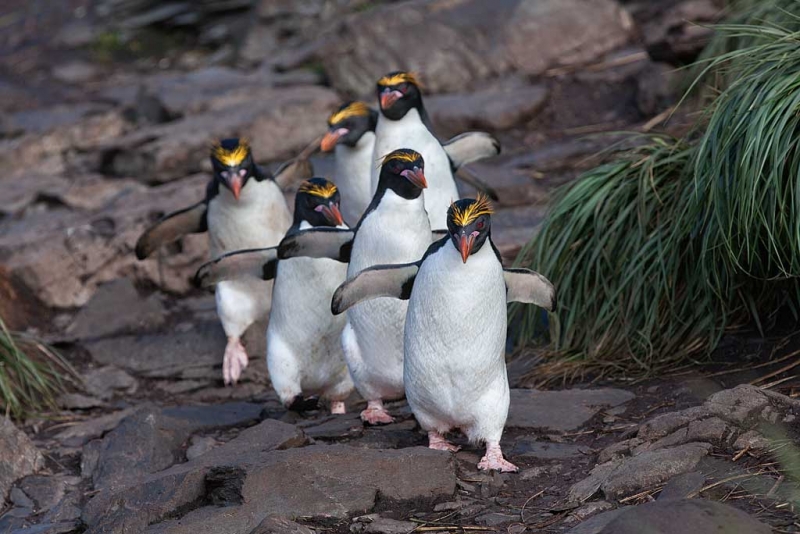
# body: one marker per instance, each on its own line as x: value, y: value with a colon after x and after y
x: 32, y: 375
x: 658, y: 253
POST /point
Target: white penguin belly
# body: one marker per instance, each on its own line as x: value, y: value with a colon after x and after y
x: 260, y: 218
x: 352, y: 175
x: 411, y: 132
x: 397, y: 231
x: 303, y: 336
x: 455, y: 333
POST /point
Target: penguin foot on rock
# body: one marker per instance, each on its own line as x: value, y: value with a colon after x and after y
x: 437, y: 442
x: 301, y: 404
x: 337, y: 408
x: 493, y: 460
x: 376, y: 414
x: 234, y: 362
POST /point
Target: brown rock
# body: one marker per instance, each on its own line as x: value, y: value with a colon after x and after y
x: 18, y: 457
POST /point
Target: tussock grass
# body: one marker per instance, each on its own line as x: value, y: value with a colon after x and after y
x: 31, y: 374
x: 659, y: 252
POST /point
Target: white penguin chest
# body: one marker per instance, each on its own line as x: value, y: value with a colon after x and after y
x: 260, y: 218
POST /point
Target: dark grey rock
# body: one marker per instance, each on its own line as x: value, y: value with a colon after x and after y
x: 65, y: 527
x: 337, y: 426
x: 151, y: 439
x: 652, y: 468
x: 502, y: 37
x: 375, y: 524
x: 682, y: 516
x: 18, y: 457
x: 682, y: 486
x: 81, y: 433
x: 117, y: 308
x: 19, y: 499
x: 595, y: 524
x: 106, y: 381
x: 201, y: 445
x: 560, y: 411
x: 588, y: 510
x: 280, y: 525
x: 547, y: 450
x: 499, y: 107
x: 589, y: 486
x: 46, y: 491
x: 78, y: 401
x: 330, y: 481
x: 494, y: 519
x: 172, y: 355
x: 656, y: 88
x: 75, y: 72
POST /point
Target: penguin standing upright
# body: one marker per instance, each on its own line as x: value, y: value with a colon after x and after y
x: 404, y: 123
x: 351, y: 134
x: 248, y: 211
x: 304, y: 351
x: 394, y: 229
x: 455, y: 331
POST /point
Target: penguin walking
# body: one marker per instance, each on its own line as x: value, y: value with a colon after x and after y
x: 351, y: 135
x: 455, y: 331
x: 243, y: 208
x: 404, y: 123
x: 393, y: 229
x: 304, y: 351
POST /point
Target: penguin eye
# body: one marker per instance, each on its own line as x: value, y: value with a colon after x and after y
x: 480, y: 225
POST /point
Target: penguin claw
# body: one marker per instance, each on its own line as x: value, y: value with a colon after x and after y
x: 437, y: 442
x: 234, y: 361
x: 374, y: 415
x: 493, y: 460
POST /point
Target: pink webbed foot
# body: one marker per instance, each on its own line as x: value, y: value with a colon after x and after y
x: 437, y: 442
x: 234, y: 362
x: 337, y: 408
x: 493, y: 460
x: 376, y: 414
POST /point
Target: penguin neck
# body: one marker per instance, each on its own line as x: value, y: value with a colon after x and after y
x: 364, y: 145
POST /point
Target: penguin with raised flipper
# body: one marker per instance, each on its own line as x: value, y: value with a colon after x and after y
x: 304, y: 351
x: 455, y: 331
x: 244, y: 208
x: 351, y: 135
x: 404, y: 123
x: 394, y: 229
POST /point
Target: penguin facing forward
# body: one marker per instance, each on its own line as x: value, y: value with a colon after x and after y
x: 304, y: 351
x: 393, y: 229
x: 351, y: 135
x: 243, y: 208
x: 404, y: 123
x: 455, y: 331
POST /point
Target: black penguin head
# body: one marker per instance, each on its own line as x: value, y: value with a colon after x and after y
x: 232, y: 163
x: 469, y: 222
x: 398, y: 92
x: 347, y: 124
x: 317, y: 202
x: 402, y: 172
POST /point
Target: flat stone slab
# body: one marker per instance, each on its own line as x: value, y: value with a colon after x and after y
x: 547, y: 450
x: 560, y: 411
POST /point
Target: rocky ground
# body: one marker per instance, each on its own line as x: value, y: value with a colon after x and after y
x: 108, y: 108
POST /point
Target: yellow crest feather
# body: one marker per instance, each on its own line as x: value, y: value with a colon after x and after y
x: 399, y: 77
x: 324, y: 191
x: 356, y: 109
x: 232, y: 157
x: 408, y: 156
x: 467, y: 216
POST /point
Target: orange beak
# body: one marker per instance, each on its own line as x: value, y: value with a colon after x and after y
x: 416, y: 177
x: 331, y: 138
x: 466, y: 246
x: 332, y: 214
x: 388, y: 98
x: 236, y: 186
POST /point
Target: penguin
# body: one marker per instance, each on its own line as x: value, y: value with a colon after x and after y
x: 351, y: 135
x: 243, y: 208
x: 304, y: 352
x: 455, y: 331
x: 404, y: 123
x: 393, y: 229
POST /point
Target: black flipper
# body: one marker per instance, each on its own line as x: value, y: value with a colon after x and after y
x: 333, y: 243
x: 524, y: 285
x: 191, y: 220
x: 260, y: 263
x: 470, y: 146
x: 379, y: 281
x: 436, y: 235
